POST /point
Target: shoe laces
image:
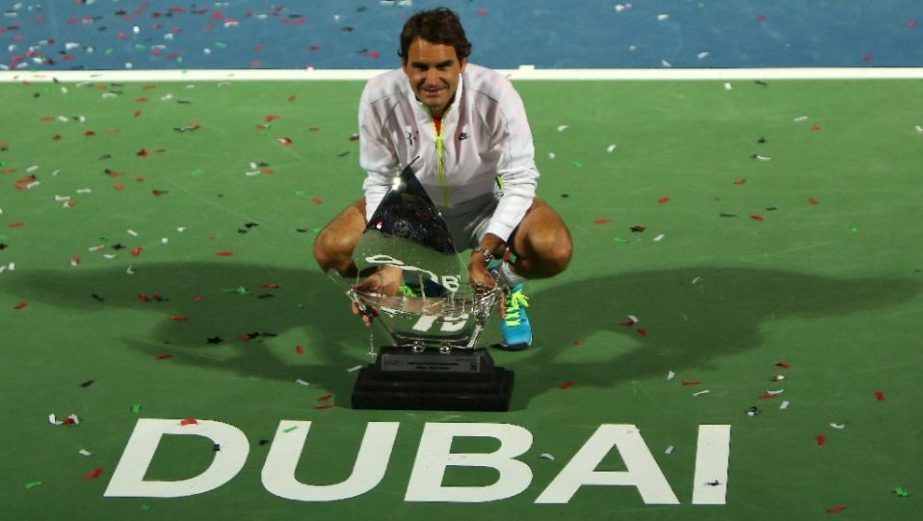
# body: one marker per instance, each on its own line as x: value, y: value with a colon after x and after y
x: 514, y: 301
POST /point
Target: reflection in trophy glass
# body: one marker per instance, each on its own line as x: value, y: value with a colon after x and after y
x: 435, y: 306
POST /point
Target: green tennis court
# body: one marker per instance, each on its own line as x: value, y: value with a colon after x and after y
x: 746, y: 255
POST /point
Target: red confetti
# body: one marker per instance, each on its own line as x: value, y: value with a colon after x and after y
x: 17, y: 224
x: 662, y: 200
x: 867, y: 58
x: 270, y: 118
x: 179, y: 318
x: 142, y: 152
x: 757, y: 217
x: 691, y: 382
x: 815, y: 128
x: 642, y: 331
x: 284, y: 141
x: 578, y: 342
x: 244, y: 339
x: 197, y: 298
x: 836, y: 509
x: 269, y: 286
x: 879, y: 395
x: 820, y: 440
x: 188, y: 421
x: 813, y: 201
x: 292, y: 97
x: 327, y: 405
x: 136, y: 251
x: 767, y: 396
x: 142, y: 99
x: 317, y: 200
x: 118, y: 186
x: 93, y: 474
x: 21, y: 305
x: 224, y: 253
x: 482, y: 12
x: 602, y: 220
x: 75, y: 260
x: 785, y: 364
x: 24, y: 183
x: 164, y: 356
x: 324, y: 397
x: 761, y: 18
x: 567, y: 385
x: 299, y: 349
x: 911, y: 24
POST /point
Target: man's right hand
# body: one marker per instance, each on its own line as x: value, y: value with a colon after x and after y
x: 385, y: 281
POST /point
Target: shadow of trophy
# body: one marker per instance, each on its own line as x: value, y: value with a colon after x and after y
x: 434, y: 318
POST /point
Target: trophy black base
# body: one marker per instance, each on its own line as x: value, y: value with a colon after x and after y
x: 461, y: 380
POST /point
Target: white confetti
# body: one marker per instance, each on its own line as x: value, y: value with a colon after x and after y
x: 784, y: 405
x: 130, y: 270
x: 109, y: 256
x: 700, y: 393
x: 552, y: 155
x: 546, y: 456
x: 354, y: 368
x: 800, y: 118
x: 302, y: 382
x: 761, y: 158
x: 610, y: 148
x: 671, y: 375
x: 164, y: 240
x: 703, y: 55
x: 697, y: 280
x: 659, y: 238
x: 132, y: 233
x: 62, y: 198
x: 84, y: 452
x: 665, y: 63
x: 838, y: 426
x: 84, y: 191
x: 727, y: 85
x: 32, y: 168
x: 919, y: 129
x: 669, y: 450
x: 662, y: 17
x: 562, y: 128
x: 622, y: 7
x: 11, y: 266
x: 775, y: 392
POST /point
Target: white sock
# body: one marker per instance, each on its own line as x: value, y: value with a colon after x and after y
x: 509, y: 276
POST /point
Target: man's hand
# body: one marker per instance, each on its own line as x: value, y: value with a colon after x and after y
x: 385, y: 281
x: 478, y: 274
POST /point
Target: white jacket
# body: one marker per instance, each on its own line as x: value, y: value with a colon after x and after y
x: 485, y: 135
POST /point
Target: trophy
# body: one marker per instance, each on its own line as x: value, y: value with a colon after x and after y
x: 434, y: 321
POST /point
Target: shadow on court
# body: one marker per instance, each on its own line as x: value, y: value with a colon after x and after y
x: 689, y: 324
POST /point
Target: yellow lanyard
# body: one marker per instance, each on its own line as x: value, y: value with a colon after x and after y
x: 440, y: 163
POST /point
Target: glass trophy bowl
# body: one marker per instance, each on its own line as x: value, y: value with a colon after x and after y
x: 434, y: 317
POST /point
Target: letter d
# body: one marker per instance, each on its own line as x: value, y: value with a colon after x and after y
x: 128, y: 478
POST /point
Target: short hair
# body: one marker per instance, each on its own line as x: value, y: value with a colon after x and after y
x: 441, y: 26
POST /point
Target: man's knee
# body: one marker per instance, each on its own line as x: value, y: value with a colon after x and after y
x: 551, y: 250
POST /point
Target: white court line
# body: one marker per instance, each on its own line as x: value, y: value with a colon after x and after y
x: 525, y: 72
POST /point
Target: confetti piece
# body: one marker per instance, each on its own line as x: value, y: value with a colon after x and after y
x: 93, y: 474
x: 759, y: 157
x: 659, y: 237
x: 638, y: 228
x: 669, y: 450
x: 284, y: 141
x: 224, y: 253
x: 820, y: 440
x: 324, y: 397
x: 784, y: 364
x: 784, y: 405
x: 662, y: 200
x: 21, y: 305
x: 323, y: 406
x: 753, y: 411
x: 700, y: 393
x: 766, y: 396
x: 302, y: 382
x: 578, y: 342
x: 290, y: 429
x: 838, y: 426
x: 691, y: 382
x: 136, y: 408
x: 546, y: 456
x: 188, y: 421
x: 642, y: 331
x: 671, y: 375
x: 562, y: 128
x: 567, y: 385
x: 901, y: 492
x: 86, y: 383
x: 602, y: 220
x: 815, y: 128
x: 354, y: 368
x: 879, y: 395
x: 299, y: 349
x: 32, y: 484
x: 610, y: 148
x: 179, y: 318
x: 836, y: 509
x: 84, y: 452
x: 813, y: 201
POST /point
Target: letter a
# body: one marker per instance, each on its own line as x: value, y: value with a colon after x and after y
x: 279, y: 470
x: 434, y: 455
x: 642, y: 472
x: 128, y: 478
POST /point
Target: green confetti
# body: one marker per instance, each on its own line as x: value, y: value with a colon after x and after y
x: 300, y: 193
x: 197, y: 171
x: 145, y: 507
x: 240, y: 290
x: 32, y: 484
x: 577, y: 164
x: 136, y: 408
x: 179, y: 59
x: 854, y: 229
x: 221, y: 45
x: 620, y: 240
x: 315, y: 231
x: 2, y: 163
x: 109, y: 51
x: 140, y: 47
x: 290, y: 429
x: 901, y: 492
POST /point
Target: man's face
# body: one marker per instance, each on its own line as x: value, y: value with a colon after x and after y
x: 433, y: 70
